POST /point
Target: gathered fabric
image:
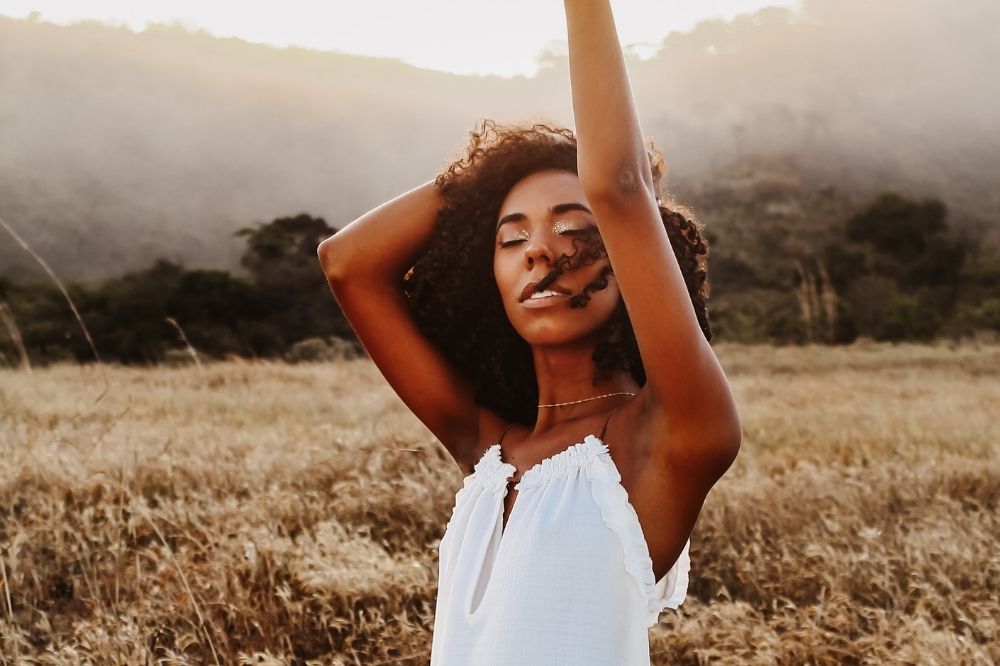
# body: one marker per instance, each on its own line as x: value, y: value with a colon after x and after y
x: 568, y: 580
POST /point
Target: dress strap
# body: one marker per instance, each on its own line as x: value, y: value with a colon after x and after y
x: 506, y: 430
x: 514, y: 479
x: 610, y: 414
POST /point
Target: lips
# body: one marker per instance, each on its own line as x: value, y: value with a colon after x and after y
x: 529, y: 289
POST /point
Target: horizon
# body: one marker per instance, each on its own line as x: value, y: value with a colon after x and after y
x: 451, y: 48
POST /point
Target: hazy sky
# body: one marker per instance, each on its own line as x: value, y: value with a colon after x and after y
x: 466, y: 36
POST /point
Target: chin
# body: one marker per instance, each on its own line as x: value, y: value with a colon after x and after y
x: 560, y: 326
x: 543, y: 340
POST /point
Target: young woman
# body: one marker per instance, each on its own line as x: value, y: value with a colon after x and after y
x: 530, y: 292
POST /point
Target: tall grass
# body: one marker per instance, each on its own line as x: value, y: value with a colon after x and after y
x: 271, y: 514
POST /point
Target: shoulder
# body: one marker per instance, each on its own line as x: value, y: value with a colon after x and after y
x: 490, y: 427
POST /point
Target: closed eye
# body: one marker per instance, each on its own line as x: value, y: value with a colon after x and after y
x: 585, y: 231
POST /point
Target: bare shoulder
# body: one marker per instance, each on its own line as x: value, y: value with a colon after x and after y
x: 490, y: 426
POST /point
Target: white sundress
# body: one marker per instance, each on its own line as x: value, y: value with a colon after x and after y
x: 568, y: 581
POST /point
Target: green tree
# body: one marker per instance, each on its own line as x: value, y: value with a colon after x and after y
x: 897, y: 227
x: 910, y: 282
x: 127, y: 315
x: 292, y: 292
x: 910, y: 317
x: 214, y: 308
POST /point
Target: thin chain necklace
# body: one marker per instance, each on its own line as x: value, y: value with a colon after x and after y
x: 576, y: 402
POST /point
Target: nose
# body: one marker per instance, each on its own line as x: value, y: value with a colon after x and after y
x: 536, y: 249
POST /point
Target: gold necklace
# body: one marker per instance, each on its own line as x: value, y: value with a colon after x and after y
x: 576, y: 402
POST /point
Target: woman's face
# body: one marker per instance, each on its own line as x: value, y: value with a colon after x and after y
x: 538, y: 221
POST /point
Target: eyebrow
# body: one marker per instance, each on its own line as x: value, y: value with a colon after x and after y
x: 558, y: 209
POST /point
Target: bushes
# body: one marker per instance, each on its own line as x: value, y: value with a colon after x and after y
x: 909, y: 318
x: 283, y: 301
x: 323, y: 349
x: 894, y: 271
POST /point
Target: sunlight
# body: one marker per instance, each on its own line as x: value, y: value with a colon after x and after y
x: 460, y: 36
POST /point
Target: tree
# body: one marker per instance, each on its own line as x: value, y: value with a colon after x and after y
x: 897, y: 227
x: 214, y: 309
x: 282, y: 245
x: 129, y: 313
x: 292, y: 292
x: 911, y: 248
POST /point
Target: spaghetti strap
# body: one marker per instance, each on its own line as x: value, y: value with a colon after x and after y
x: 610, y: 414
x: 504, y: 433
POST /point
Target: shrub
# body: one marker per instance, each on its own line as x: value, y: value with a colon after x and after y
x: 322, y: 349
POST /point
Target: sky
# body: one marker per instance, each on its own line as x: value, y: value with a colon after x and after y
x: 462, y: 36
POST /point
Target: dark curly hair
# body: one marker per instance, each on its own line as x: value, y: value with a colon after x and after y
x: 452, y: 293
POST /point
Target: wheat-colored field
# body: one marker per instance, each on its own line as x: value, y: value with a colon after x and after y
x: 269, y: 514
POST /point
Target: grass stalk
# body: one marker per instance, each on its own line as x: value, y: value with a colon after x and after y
x: 190, y: 349
x: 76, y: 313
x: 7, y: 317
x: 180, y: 572
x: 10, y: 607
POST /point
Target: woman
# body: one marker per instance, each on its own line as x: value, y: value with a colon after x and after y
x: 516, y: 303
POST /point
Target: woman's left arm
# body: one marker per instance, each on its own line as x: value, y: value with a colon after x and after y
x: 688, y: 397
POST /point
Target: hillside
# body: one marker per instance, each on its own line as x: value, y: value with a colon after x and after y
x: 117, y: 147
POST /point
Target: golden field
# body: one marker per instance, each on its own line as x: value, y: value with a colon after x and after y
x: 264, y: 513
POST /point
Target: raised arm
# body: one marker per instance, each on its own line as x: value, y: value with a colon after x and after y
x: 364, y: 264
x: 687, y: 397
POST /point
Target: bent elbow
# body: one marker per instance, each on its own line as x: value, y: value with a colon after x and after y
x: 727, y: 450
x: 712, y: 447
x: 329, y: 259
x: 726, y: 446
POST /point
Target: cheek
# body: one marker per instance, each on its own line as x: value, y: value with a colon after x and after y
x: 602, y: 302
x: 608, y: 297
x: 497, y: 274
x: 502, y: 274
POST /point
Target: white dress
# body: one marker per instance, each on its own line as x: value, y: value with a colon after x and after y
x: 568, y: 581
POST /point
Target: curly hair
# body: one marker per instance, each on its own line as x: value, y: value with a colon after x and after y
x: 452, y: 293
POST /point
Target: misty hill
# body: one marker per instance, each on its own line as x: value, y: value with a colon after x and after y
x: 117, y: 147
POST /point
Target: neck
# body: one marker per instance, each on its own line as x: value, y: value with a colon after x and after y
x: 565, y: 373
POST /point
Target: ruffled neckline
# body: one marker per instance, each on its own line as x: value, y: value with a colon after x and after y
x: 592, y: 456
x: 494, y: 472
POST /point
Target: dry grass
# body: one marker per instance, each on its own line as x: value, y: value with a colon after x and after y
x: 270, y: 514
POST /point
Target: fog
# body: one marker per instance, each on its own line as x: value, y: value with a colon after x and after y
x: 117, y: 147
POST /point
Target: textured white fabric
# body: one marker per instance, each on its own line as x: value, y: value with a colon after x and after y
x: 569, y: 581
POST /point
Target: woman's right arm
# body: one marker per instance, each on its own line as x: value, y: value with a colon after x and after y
x: 364, y: 264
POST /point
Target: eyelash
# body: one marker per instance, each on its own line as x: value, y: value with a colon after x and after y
x: 567, y: 232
